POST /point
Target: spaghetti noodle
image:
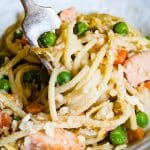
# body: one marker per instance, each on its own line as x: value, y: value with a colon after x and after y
x: 94, y: 101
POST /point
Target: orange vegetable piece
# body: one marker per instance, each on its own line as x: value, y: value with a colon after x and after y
x: 5, y: 120
x: 147, y: 84
x: 136, y: 135
x: 121, y: 57
x: 34, y: 108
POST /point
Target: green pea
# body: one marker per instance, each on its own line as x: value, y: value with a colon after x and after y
x: 80, y: 28
x: 64, y: 77
x: 17, y: 118
x: 47, y: 39
x: 148, y: 37
x: 121, y: 28
x: 18, y: 34
x: 30, y: 76
x: 118, y: 136
x: 43, y: 76
x: 1, y: 60
x: 142, y: 119
x: 4, y: 84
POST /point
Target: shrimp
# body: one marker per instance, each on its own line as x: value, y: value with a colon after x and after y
x: 61, y: 140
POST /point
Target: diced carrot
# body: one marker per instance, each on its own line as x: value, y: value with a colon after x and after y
x: 24, y: 41
x: 136, y: 135
x: 5, y: 120
x: 147, y: 84
x: 121, y: 57
x: 34, y: 108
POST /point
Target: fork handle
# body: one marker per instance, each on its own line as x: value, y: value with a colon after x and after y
x: 28, y: 5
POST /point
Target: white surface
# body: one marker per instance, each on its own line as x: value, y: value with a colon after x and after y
x: 136, y: 12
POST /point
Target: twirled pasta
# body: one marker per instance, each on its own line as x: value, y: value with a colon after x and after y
x: 80, y: 104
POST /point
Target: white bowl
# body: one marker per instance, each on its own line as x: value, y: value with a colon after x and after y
x: 136, y: 12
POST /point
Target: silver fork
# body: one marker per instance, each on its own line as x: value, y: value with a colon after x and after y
x: 38, y: 20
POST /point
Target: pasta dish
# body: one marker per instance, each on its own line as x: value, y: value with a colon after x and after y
x: 91, y: 91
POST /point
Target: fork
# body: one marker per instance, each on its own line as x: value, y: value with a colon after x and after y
x: 39, y: 19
